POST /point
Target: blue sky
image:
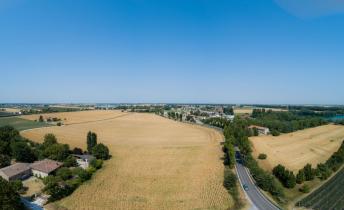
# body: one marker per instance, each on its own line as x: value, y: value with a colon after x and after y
x: 223, y: 51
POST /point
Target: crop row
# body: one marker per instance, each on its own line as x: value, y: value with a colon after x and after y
x: 328, y: 196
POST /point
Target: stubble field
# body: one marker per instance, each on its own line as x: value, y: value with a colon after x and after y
x: 157, y: 163
x: 295, y: 150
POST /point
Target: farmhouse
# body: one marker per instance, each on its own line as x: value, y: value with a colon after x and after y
x: 16, y: 171
x: 261, y: 130
x: 83, y: 160
x: 44, y: 167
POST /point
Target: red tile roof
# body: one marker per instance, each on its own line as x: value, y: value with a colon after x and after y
x: 46, y: 165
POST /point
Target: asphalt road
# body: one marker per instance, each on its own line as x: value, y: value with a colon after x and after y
x: 256, y: 198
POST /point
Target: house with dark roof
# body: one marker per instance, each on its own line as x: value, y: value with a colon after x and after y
x: 16, y: 171
x: 44, y: 167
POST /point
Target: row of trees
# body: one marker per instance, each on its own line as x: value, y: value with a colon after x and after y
x: 286, y: 177
x: 175, y: 116
x: 236, y: 133
x: 323, y: 170
x: 216, y: 121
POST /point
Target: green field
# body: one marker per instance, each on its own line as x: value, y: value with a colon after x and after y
x: 21, y: 124
x: 328, y: 196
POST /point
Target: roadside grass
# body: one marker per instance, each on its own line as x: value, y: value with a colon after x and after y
x: 21, y: 124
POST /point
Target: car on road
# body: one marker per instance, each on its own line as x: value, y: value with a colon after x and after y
x: 245, y: 187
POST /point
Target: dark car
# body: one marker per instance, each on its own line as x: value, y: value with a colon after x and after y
x: 245, y: 187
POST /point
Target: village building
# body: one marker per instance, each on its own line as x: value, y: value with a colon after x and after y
x: 83, y: 160
x: 44, y: 167
x: 16, y: 171
x: 261, y: 130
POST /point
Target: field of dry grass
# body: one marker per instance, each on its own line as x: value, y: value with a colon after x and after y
x: 69, y: 118
x: 157, y: 163
x: 294, y: 150
x: 248, y: 110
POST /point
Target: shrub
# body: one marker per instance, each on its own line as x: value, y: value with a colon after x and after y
x: 82, y: 174
x: 59, y: 124
x: 100, y: 151
x: 97, y: 164
x: 17, y: 185
x: 70, y: 161
x: 262, y: 156
x: 305, y: 189
x: 64, y: 173
x: 275, y: 133
x: 91, y: 170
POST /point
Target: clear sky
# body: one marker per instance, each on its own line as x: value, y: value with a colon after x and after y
x: 214, y: 51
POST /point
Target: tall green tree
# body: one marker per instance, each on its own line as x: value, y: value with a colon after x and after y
x: 9, y: 198
x: 5, y: 160
x: 7, y: 135
x: 300, y: 177
x: 22, y: 152
x: 91, y: 141
x: 100, y: 151
x: 309, y: 172
x: 49, y: 139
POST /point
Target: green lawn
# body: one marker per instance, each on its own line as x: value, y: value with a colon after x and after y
x: 21, y: 124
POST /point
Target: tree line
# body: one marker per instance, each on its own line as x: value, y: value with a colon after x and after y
x: 236, y: 134
x: 284, y: 122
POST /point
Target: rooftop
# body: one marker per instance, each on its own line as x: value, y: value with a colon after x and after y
x: 15, y: 169
x: 46, y: 165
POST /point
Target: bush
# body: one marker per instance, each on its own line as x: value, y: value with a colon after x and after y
x: 262, y: 156
x: 70, y: 161
x: 59, y: 124
x: 305, y: 189
x: 64, y: 173
x: 97, y: 164
x: 100, y: 151
x: 77, y: 151
x: 82, y: 174
x: 275, y: 133
x: 17, y: 185
x: 91, y: 170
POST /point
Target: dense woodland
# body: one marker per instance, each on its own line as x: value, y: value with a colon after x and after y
x: 284, y: 122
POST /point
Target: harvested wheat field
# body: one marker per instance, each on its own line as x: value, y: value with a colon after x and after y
x: 157, y: 163
x: 295, y: 150
x: 69, y: 118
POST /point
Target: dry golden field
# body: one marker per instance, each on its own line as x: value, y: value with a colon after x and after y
x: 248, y: 110
x: 157, y: 163
x: 295, y: 150
x: 69, y: 118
